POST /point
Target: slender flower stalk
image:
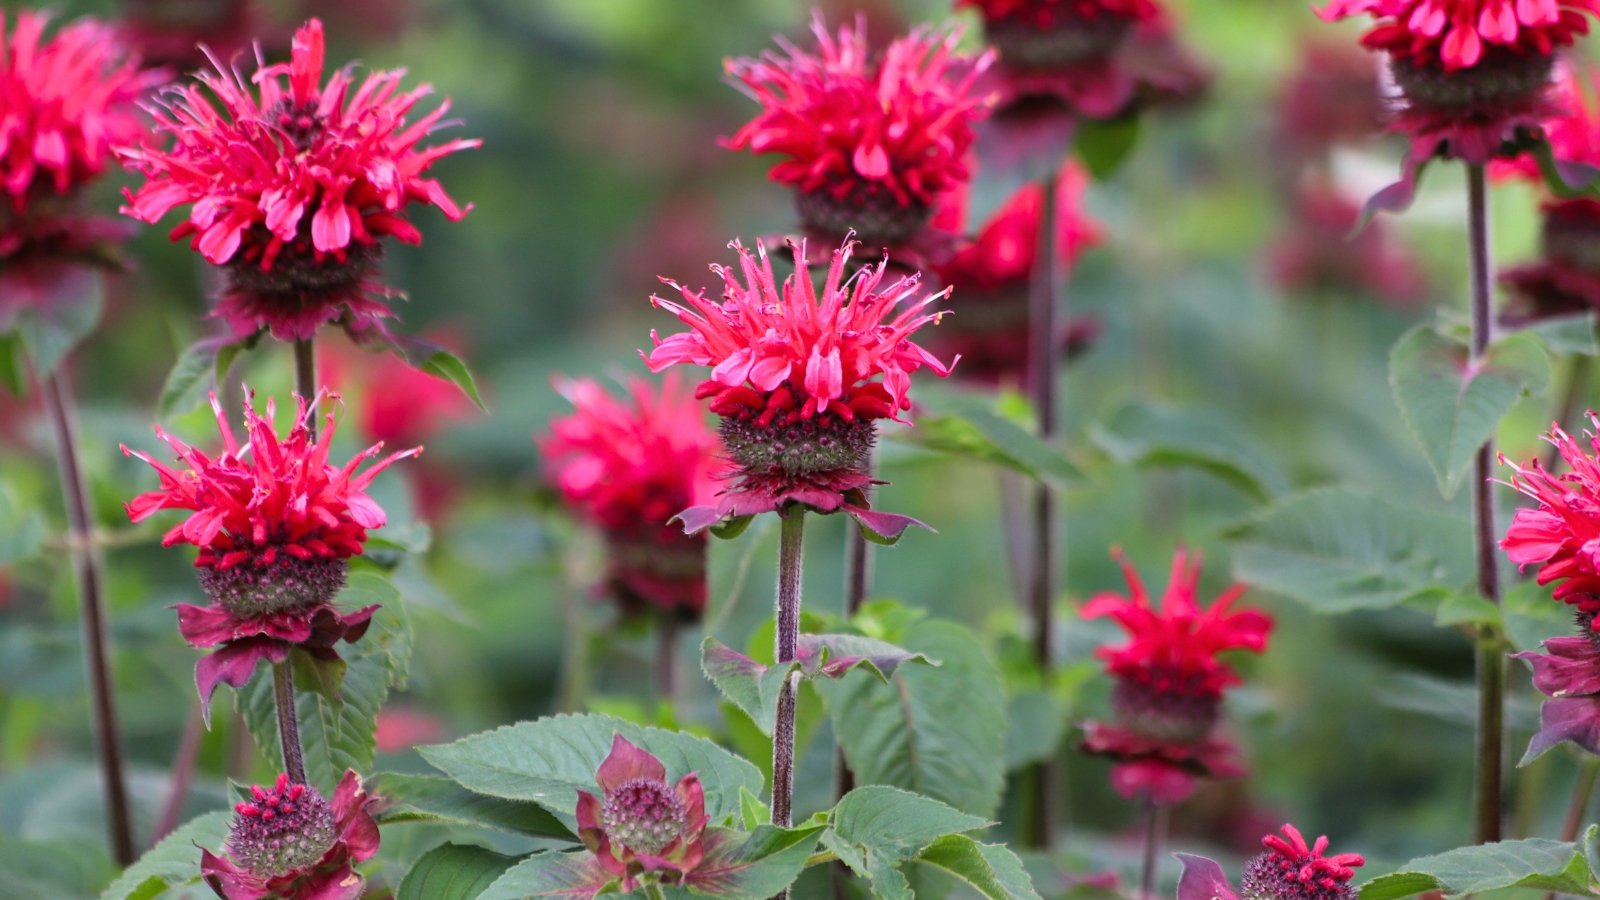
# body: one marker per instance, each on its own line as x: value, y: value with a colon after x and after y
x: 789, y: 566
x: 96, y: 640
x: 1155, y: 834
x: 294, y: 764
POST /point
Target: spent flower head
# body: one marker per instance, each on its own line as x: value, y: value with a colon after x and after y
x: 292, y: 184
x: 640, y: 826
x: 288, y: 842
x: 1288, y: 869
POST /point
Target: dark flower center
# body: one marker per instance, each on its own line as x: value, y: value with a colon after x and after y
x: 1499, y: 80
x: 1273, y: 876
x: 297, y: 275
x: 662, y: 570
x: 300, y: 124
x: 643, y: 816
x: 282, y: 831
x: 1165, y: 709
x: 821, y: 444
x: 866, y: 207
x: 249, y: 590
x: 1065, y: 40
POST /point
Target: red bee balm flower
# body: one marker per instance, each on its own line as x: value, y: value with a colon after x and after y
x: 1169, y: 682
x: 629, y: 466
x: 275, y: 524
x: 1561, y: 536
x: 639, y: 825
x: 1472, y: 74
x: 288, y: 842
x: 293, y: 189
x: 1289, y: 869
x: 872, y: 143
x: 65, y: 102
x: 799, y: 378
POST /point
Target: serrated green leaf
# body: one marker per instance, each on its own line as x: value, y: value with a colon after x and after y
x: 875, y: 828
x: 759, y: 864
x: 993, y: 870
x: 938, y: 732
x: 1539, y: 864
x: 754, y: 687
x: 172, y: 861
x: 425, y: 356
x: 1453, y: 406
x: 970, y: 428
x: 1337, y: 550
x: 430, y: 798
x: 1105, y: 144
x: 549, y: 760
x: 191, y: 378
x: 453, y: 872
x: 1150, y: 436
x: 550, y: 874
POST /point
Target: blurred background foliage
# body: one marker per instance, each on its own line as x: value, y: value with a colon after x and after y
x: 599, y: 171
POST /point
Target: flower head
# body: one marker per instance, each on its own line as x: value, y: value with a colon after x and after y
x: 1562, y: 535
x: 870, y: 142
x: 629, y: 466
x: 1289, y: 869
x: 799, y: 376
x: 275, y: 523
x: 1333, y: 96
x: 292, y: 185
x: 171, y: 34
x: 288, y: 842
x: 639, y: 825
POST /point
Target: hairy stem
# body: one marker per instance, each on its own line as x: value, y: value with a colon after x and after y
x: 294, y: 764
x: 1155, y: 831
x: 1044, y: 778
x: 91, y: 599
x: 1490, y: 657
x: 789, y: 543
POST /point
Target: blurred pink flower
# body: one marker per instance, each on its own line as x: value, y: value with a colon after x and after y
x: 1316, y: 252
x: 1562, y: 535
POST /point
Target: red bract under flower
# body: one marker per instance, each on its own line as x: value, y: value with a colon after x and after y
x: 629, y: 466
x: 872, y: 143
x: 1163, y: 770
x: 1460, y: 34
x: 293, y: 185
x: 1289, y: 869
x: 639, y: 826
x: 1174, y: 649
x: 1569, y: 674
x: 1561, y: 536
x: 288, y: 843
x: 267, y: 497
x: 1049, y: 14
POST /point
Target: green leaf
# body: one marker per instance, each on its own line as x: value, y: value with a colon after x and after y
x: 1457, y: 609
x: 1566, y: 335
x: 435, y: 360
x: 550, y: 874
x: 1539, y: 864
x: 1452, y: 406
x: 50, y: 870
x: 759, y: 864
x: 752, y: 812
x: 430, y: 798
x: 49, y: 333
x: 1104, y: 145
x: 938, y: 732
x: 1035, y: 727
x: 875, y: 829
x: 337, y: 732
x: 1337, y: 550
x: 172, y: 861
x: 192, y: 377
x: 22, y: 529
x: 972, y: 429
x: 754, y: 687
x: 453, y: 872
x: 1156, y: 437
x: 990, y: 869
x: 1531, y: 615
x: 13, y: 363
x: 549, y: 760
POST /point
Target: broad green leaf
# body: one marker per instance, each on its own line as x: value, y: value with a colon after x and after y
x: 875, y: 828
x: 938, y: 732
x: 752, y: 812
x: 1104, y: 145
x: 1035, y: 726
x: 191, y: 378
x: 1566, y: 335
x: 50, y: 870
x: 1151, y: 436
x: 549, y: 760
x: 759, y: 864
x: 337, y: 734
x: 550, y: 874
x: 1337, y: 550
x: 1538, y: 864
x: 440, y: 363
x: 430, y: 798
x: 754, y: 687
x: 453, y: 872
x: 970, y: 428
x: 173, y: 861
x: 1453, y: 406
x: 1457, y: 609
x: 992, y: 870
x: 48, y: 334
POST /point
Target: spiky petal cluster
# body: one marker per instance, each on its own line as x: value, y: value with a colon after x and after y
x: 871, y: 142
x: 1461, y: 34
x: 293, y: 184
x: 288, y: 843
x: 639, y: 826
x: 275, y: 523
x: 1562, y: 535
x: 1289, y: 869
x: 628, y: 466
x: 1167, y: 698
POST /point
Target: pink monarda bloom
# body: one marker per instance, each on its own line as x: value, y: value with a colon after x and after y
x: 292, y: 186
x: 641, y: 828
x: 171, y: 34
x: 276, y: 525
x: 1332, y: 97
x: 1315, y: 256
x: 1562, y: 535
x: 990, y: 273
x: 871, y: 143
x: 288, y: 843
x: 628, y: 466
x: 1471, y: 75
x: 800, y: 378
x: 1169, y: 683
x: 1289, y: 869
x: 65, y: 102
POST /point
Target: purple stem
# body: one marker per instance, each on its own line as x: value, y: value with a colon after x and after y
x: 793, y: 532
x: 1155, y: 829
x: 294, y: 764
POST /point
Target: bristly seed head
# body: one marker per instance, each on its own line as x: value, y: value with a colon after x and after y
x: 1292, y: 869
x: 281, y: 830
x: 1498, y: 80
x: 822, y: 444
x: 872, y: 212
x: 643, y: 815
x: 1158, y: 712
x: 1072, y: 41
x: 249, y: 590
